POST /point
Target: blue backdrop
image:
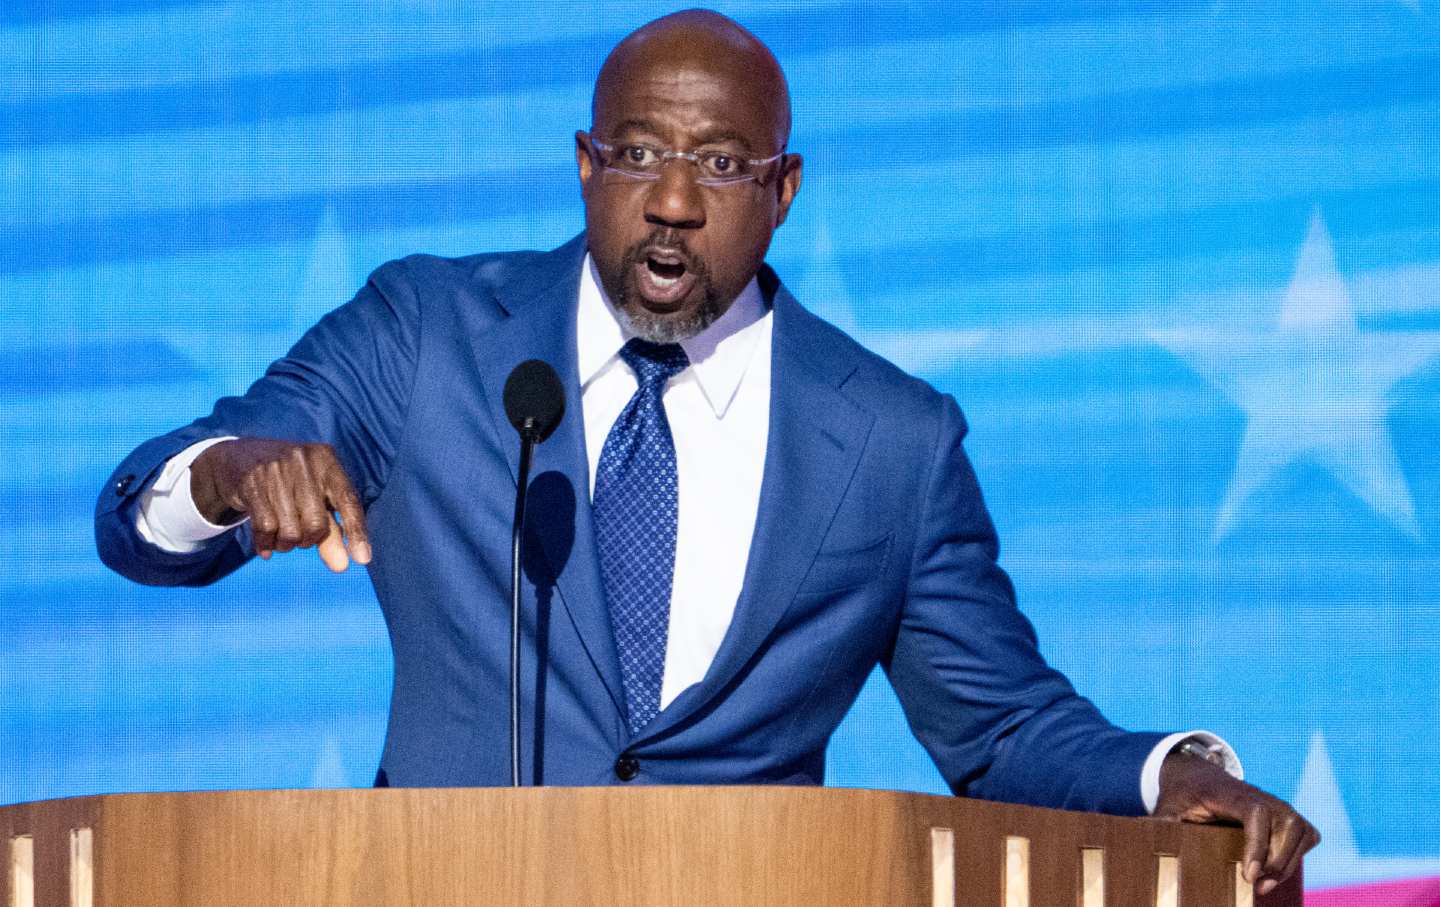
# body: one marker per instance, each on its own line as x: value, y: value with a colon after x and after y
x: 1179, y: 263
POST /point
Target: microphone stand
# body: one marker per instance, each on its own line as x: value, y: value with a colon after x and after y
x: 527, y: 445
x: 534, y: 403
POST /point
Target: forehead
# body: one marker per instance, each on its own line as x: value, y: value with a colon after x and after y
x: 688, y: 99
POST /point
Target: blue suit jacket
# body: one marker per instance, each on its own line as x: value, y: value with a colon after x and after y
x: 872, y: 545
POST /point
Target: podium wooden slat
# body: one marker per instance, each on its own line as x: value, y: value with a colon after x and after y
x: 599, y: 846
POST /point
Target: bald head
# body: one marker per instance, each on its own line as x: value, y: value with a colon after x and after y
x: 691, y: 41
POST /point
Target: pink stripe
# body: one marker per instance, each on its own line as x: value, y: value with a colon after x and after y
x: 1409, y: 893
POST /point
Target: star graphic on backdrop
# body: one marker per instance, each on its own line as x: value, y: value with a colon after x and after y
x: 326, y: 281
x: 1313, y: 387
x: 235, y: 351
x: 329, y: 770
x: 1338, y: 861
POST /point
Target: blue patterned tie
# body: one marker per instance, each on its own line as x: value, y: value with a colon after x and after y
x: 637, y: 506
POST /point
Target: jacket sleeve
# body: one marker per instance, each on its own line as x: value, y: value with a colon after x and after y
x: 999, y: 722
x: 346, y: 383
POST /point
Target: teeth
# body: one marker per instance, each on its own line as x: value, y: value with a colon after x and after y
x: 657, y: 267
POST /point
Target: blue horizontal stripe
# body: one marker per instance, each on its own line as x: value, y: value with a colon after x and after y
x: 82, y: 366
x: 1410, y: 321
x: 288, y: 219
x: 37, y: 12
x: 1226, y: 104
x: 1279, y: 224
x: 511, y: 69
x: 81, y: 117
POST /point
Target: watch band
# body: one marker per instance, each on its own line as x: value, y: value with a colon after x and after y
x: 1210, y: 753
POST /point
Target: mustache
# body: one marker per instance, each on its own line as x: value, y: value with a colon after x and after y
x: 669, y: 239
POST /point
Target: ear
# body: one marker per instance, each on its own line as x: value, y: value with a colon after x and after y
x: 584, y: 162
x: 788, y: 185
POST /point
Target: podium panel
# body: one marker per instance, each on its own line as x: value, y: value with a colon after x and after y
x: 609, y: 846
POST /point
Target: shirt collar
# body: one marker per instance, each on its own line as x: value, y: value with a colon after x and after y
x: 719, y: 355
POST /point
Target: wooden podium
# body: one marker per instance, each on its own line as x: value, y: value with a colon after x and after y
x: 606, y: 846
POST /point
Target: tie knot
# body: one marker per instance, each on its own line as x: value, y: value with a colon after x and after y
x: 654, y: 363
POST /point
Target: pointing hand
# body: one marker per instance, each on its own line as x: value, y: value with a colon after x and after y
x: 291, y: 493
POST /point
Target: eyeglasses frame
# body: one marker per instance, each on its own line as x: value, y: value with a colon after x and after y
x: 669, y: 154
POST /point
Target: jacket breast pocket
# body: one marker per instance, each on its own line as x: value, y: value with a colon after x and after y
x: 848, y: 568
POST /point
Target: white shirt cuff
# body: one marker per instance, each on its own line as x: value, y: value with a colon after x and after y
x: 167, y: 516
x: 1150, y: 772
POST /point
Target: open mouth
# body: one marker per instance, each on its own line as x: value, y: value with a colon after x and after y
x: 664, y: 277
x: 665, y: 271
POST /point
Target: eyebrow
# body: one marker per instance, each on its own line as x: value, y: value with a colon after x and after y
x: 726, y: 135
x: 706, y: 137
x: 635, y: 125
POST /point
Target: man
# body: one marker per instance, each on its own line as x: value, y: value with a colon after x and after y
x: 742, y: 513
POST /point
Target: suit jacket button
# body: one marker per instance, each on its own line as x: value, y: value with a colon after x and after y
x: 123, y: 484
x: 627, y: 767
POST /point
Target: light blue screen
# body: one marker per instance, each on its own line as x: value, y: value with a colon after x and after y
x: 1179, y: 263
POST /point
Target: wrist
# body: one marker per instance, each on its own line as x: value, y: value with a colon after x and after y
x: 1184, y: 773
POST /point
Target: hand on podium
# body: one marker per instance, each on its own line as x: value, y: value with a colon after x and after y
x: 1276, y: 836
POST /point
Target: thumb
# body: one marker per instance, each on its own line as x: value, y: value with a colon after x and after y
x: 332, y: 549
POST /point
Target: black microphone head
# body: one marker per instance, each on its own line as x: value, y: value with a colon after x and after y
x: 534, y: 399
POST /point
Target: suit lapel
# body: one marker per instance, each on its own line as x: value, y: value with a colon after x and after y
x: 815, y: 440
x: 540, y: 298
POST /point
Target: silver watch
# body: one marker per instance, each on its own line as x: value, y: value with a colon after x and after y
x: 1211, y: 753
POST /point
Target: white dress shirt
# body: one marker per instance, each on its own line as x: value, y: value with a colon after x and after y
x: 719, y: 414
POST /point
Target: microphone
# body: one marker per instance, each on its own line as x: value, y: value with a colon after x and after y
x: 534, y: 399
x: 534, y: 404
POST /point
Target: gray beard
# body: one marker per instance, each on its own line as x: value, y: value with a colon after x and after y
x: 646, y: 325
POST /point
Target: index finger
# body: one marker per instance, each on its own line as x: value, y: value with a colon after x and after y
x: 1257, y: 841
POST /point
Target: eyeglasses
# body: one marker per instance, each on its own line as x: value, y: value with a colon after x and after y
x: 716, y: 168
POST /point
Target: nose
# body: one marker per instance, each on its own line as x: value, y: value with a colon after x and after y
x: 674, y: 199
